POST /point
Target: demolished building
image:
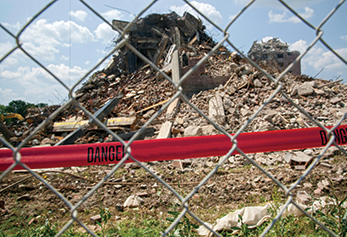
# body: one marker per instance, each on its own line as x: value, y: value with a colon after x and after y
x: 227, y: 88
x: 277, y: 52
x: 156, y: 36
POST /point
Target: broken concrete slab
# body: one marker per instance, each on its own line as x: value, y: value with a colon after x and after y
x: 192, y: 131
x: 165, y: 130
x: 298, y: 160
x: 133, y: 201
x: 95, y: 219
x: 216, y: 109
x: 305, y: 89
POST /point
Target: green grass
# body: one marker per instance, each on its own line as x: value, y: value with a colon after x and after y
x: 127, y: 228
x: 141, y: 224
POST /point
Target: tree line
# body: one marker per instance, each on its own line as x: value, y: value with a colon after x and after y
x: 19, y: 107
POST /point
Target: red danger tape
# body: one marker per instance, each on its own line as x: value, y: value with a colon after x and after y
x: 170, y: 149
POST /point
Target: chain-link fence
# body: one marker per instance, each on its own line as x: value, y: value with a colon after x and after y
x: 276, y: 83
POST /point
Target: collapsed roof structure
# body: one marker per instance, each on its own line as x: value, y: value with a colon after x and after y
x: 275, y: 51
x: 156, y: 36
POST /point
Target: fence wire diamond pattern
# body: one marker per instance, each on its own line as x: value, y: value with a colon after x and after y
x: 277, y: 89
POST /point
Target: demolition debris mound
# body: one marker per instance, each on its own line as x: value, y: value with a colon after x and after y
x: 226, y: 87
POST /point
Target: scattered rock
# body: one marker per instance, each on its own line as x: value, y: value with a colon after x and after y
x: 257, y: 83
x: 192, y: 130
x: 303, y: 198
x: 119, y: 207
x: 143, y: 194
x: 95, y: 219
x: 133, y: 201
x: 25, y: 197
x: 305, y: 89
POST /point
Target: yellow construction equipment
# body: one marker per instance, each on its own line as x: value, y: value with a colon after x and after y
x: 10, y: 115
x: 3, y: 129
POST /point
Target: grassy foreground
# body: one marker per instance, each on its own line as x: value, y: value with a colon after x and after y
x: 331, y: 216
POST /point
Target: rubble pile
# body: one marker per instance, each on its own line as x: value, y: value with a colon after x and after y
x: 226, y: 88
x: 156, y: 36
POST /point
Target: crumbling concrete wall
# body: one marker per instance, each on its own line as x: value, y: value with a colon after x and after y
x: 154, y: 36
x: 277, y: 52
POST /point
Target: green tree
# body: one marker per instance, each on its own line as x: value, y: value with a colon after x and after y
x: 41, y: 105
x: 19, y: 107
x: 2, y: 109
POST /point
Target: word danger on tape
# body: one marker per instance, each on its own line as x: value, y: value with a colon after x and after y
x: 171, y: 149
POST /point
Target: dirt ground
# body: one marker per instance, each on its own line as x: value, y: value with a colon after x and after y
x: 29, y: 202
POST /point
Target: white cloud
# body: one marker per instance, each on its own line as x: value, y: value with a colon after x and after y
x: 63, y: 57
x: 12, y: 27
x: 207, y: 9
x: 10, y: 60
x: 57, y: 31
x: 112, y: 14
x: 231, y: 17
x: 6, y: 93
x: 279, y: 18
x: 344, y: 37
x: 38, y: 85
x: 102, y: 51
x: 104, y: 32
x: 300, y: 45
x: 41, y: 51
x: 5, y: 48
x: 79, y: 15
x: 319, y: 58
x: 42, y: 39
x: 332, y: 62
x: 10, y: 75
x: 309, y: 12
x: 272, y: 3
x: 87, y: 62
x: 63, y: 72
x: 103, y: 64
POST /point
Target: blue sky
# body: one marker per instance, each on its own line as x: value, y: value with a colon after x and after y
x: 69, y: 39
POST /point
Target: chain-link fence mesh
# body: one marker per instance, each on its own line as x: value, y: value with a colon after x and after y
x: 276, y: 83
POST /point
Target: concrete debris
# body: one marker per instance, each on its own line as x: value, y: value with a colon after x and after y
x: 305, y: 89
x: 216, y: 109
x: 165, y: 130
x: 95, y: 219
x: 156, y: 36
x: 192, y: 131
x: 181, y: 164
x: 298, y: 160
x: 251, y: 216
x: 133, y: 201
x: 275, y: 51
x: 303, y: 198
x: 257, y: 215
x: 332, y: 151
